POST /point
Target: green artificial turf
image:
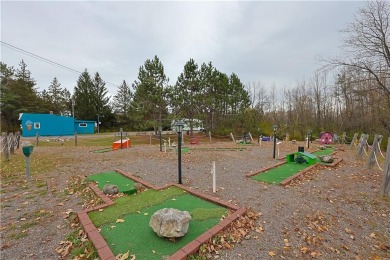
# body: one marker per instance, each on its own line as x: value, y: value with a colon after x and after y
x: 136, y: 236
x: 280, y: 173
x: 104, y: 150
x: 124, y: 184
x: 323, y: 152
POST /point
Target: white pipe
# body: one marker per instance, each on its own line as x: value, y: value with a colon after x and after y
x: 214, y: 178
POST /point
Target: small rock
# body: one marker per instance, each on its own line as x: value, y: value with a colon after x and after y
x: 110, y: 189
x: 139, y: 187
x: 326, y: 158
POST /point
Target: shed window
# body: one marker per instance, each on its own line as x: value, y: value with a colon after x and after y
x: 82, y: 125
x: 37, y: 125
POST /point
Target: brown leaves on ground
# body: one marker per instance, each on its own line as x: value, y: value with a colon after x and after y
x: 238, y: 231
x: 78, y: 185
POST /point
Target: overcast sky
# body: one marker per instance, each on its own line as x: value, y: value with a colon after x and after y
x: 269, y: 42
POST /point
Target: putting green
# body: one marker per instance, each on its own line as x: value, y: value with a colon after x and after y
x: 124, y: 184
x: 323, y: 152
x: 136, y: 236
x: 104, y: 150
x: 280, y: 173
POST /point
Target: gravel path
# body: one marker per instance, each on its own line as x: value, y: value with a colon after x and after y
x: 332, y: 214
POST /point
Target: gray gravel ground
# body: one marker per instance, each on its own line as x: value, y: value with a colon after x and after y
x: 332, y: 214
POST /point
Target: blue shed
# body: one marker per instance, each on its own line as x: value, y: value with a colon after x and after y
x: 52, y: 125
x: 84, y: 126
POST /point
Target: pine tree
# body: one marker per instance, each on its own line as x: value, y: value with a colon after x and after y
x: 150, y: 95
x: 122, y: 103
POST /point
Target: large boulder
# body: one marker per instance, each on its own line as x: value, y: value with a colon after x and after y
x: 110, y: 189
x: 169, y: 222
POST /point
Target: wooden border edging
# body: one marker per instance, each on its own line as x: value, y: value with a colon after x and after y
x: 104, y: 250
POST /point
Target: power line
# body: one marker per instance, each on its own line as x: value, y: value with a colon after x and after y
x: 35, y: 56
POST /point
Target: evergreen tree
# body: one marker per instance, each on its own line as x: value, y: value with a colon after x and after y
x: 187, y: 93
x: 82, y: 97
x: 150, y: 95
x: 122, y: 103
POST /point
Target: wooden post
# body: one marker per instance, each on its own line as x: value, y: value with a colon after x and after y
x: 386, y: 172
x: 354, y: 139
x: 12, y: 142
x: 75, y: 138
x: 210, y: 136
x: 343, y: 138
x: 250, y: 135
x: 150, y: 139
x: 234, y: 140
x: 362, y: 143
x: 372, y: 157
x: 37, y: 139
x: 17, y: 140
x: 5, y: 140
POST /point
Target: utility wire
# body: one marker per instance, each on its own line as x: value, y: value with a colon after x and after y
x: 12, y: 47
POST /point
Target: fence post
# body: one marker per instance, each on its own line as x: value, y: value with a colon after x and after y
x: 372, y: 157
x: 6, y: 154
x: 354, y: 139
x: 75, y: 138
x: 17, y: 140
x: 386, y: 172
x: 362, y: 143
x: 12, y: 142
x: 37, y: 139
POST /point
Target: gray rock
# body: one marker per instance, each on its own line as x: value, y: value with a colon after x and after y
x: 169, y: 222
x: 326, y: 158
x: 110, y: 189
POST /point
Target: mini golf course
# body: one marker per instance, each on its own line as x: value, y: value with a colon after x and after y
x: 280, y: 173
x: 125, y: 224
x: 124, y: 184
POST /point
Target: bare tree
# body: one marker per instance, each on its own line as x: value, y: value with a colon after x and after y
x: 366, y: 43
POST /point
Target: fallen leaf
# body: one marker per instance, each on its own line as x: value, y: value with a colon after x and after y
x: 373, y: 235
x: 271, y: 253
x: 304, y: 250
x: 119, y: 220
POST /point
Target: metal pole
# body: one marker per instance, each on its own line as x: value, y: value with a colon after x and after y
x: 28, y: 168
x: 121, y: 140
x: 308, y: 140
x: 159, y: 129
x: 274, y: 155
x: 179, y: 157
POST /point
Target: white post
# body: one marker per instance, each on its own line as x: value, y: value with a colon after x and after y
x: 250, y: 135
x: 210, y: 136
x: 150, y: 139
x: 234, y: 141
x: 214, y: 178
x: 169, y: 142
x: 165, y: 147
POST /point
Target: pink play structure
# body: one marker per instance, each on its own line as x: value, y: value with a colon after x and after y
x: 326, y: 138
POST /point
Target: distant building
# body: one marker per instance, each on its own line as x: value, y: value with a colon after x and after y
x: 53, y: 125
x: 197, y: 125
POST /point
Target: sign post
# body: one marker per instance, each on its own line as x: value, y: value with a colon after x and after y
x: 27, y: 151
